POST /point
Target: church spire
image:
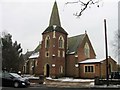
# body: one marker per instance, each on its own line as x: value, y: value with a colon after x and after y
x: 54, y: 19
x: 54, y: 23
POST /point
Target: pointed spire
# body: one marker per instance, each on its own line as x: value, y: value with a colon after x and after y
x: 54, y: 19
x: 54, y: 24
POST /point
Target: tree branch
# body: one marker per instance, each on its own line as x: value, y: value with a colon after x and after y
x: 84, y: 5
x: 71, y: 2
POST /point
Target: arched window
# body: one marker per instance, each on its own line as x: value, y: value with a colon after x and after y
x: 87, y: 50
x: 63, y: 53
x: 47, y: 54
x: 61, y: 42
x: 47, y: 42
x: 58, y: 53
x: 61, y: 69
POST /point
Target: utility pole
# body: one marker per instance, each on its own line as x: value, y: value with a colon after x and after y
x: 0, y: 59
x: 1, y: 53
x: 107, y: 75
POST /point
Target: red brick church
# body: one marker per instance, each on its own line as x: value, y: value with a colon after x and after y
x: 61, y: 56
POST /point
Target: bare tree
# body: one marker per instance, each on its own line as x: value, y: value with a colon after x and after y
x: 84, y: 5
x: 118, y: 42
x: 116, y: 46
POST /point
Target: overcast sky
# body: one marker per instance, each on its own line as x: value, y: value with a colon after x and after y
x: 25, y: 20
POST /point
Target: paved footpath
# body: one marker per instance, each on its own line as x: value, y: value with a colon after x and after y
x: 112, y: 87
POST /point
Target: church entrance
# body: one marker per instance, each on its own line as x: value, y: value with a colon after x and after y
x: 47, y: 70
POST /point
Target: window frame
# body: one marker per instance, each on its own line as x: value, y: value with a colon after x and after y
x: 63, y: 53
x: 47, y: 54
x: 61, y: 70
x: 59, y: 53
x: 47, y: 41
x: 61, y: 42
x: 87, y: 50
x: 89, y: 68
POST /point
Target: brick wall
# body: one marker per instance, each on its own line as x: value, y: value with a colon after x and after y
x: 70, y: 65
x: 80, y: 52
x: 100, y: 69
x: 53, y: 50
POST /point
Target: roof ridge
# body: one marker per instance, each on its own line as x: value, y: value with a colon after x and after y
x: 76, y: 35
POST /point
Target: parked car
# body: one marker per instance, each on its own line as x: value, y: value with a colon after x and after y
x: 14, y: 80
x: 115, y: 75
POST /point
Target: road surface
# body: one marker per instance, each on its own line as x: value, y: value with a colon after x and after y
x: 55, y: 88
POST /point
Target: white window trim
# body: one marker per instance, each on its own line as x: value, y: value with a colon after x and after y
x: 54, y: 36
x: 36, y: 63
x: 58, y: 53
x: 61, y: 69
x: 46, y: 40
x: 87, y: 47
x: 46, y: 54
x: 63, y: 54
x: 62, y: 40
x: 87, y: 66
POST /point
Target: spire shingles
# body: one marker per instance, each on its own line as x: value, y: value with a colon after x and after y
x: 54, y: 19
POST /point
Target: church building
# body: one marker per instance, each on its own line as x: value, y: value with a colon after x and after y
x: 61, y: 56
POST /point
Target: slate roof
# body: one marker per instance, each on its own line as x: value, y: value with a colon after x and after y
x: 92, y: 61
x: 37, y: 48
x: 34, y: 55
x: 54, y: 23
x: 27, y: 55
x: 55, y: 28
x: 96, y: 60
x: 74, y: 42
x: 55, y: 19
